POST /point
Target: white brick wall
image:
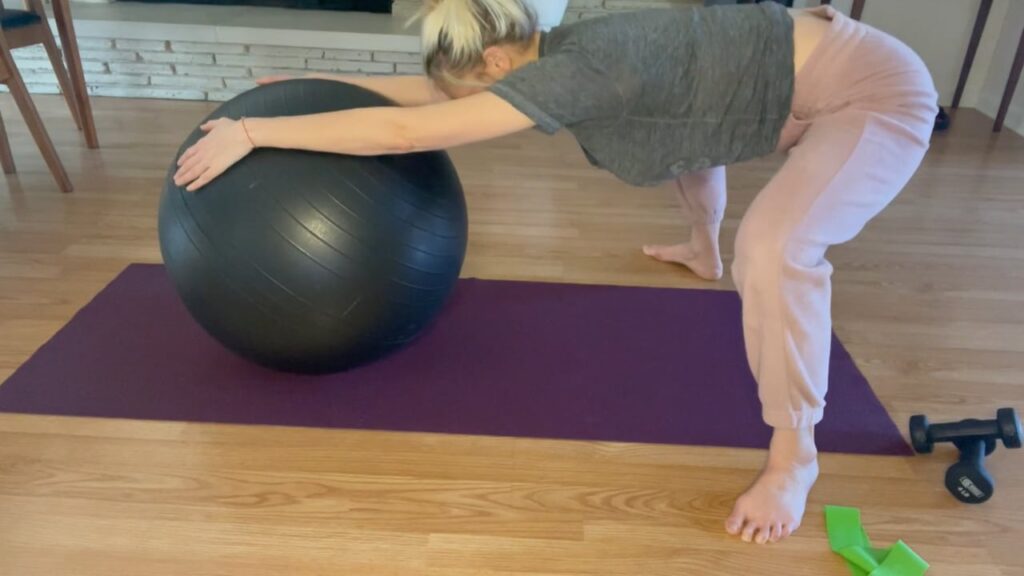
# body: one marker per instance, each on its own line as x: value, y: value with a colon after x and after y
x: 408, y: 69
x: 94, y: 43
x: 255, y: 60
x: 139, y: 68
x: 147, y: 92
x: 109, y: 55
x: 176, y: 57
x: 286, y: 51
x: 397, y: 57
x: 348, y: 55
x: 198, y: 82
x: 208, y: 48
x: 219, y: 71
x: 116, y: 80
x: 350, y: 66
x: 198, y: 71
x: 147, y: 45
x: 261, y: 72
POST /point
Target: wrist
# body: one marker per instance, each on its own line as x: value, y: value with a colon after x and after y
x: 256, y: 131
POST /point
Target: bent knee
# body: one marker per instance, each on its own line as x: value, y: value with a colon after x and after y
x: 775, y: 255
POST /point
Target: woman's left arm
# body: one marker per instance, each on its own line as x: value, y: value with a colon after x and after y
x: 375, y: 131
x: 362, y: 132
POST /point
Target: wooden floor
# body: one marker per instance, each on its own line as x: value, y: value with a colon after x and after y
x: 929, y: 300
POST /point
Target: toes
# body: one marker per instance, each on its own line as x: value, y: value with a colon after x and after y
x: 734, y: 523
x: 763, y: 534
x: 776, y: 533
x: 665, y: 253
x: 782, y: 531
x: 656, y: 252
x: 792, y: 528
x: 749, y: 532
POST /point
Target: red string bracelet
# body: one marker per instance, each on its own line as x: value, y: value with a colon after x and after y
x: 247, y: 135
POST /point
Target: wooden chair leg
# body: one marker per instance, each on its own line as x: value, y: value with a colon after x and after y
x: 57, y: 61
x: 972, y: 48
x: 858, y: 9
x: 68, y: 41
x: 32, y: 119
x: 1011, y: 85
x: 6, y: 160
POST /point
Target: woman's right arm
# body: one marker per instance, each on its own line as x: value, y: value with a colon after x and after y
x: 403, y: 90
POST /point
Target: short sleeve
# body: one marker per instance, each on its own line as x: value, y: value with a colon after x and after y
x: 561, y: 90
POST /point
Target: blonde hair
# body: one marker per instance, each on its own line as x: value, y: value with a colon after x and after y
x: 457, y: 32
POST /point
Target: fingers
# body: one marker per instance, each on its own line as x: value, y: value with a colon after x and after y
x: 222, y: 146
x: 210, y: 125
x: 272, y: 79
x: 203, y: 179
x: 192, y: 163
x: 189, y: 172
x: 191, y: 152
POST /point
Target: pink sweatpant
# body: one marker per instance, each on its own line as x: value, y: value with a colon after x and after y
x: 862, y: 117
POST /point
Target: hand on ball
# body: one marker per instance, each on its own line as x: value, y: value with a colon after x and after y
x: 226, y: 142
x: 264, y: 80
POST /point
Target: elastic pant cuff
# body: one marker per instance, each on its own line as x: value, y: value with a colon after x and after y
x: 792, y: 418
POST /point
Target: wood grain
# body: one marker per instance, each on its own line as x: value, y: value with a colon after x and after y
x: 928, y: 300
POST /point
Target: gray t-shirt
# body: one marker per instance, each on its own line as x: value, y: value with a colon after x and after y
x: 652, y: 94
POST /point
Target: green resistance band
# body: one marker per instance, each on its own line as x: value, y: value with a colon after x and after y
x: 847, y: 537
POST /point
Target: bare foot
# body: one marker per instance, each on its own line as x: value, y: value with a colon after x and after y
x: 705, y: 265
x: 700, y: 254
x: 773, y: 507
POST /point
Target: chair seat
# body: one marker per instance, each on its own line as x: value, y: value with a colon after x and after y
x: 11, y: 19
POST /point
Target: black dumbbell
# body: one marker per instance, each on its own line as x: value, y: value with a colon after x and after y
x: 967, y: 479
x: 942, y: 120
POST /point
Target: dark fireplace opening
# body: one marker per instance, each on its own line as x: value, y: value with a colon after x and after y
x: 378, y: 6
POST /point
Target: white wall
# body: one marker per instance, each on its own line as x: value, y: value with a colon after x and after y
x: 1006, y: 31
x: 986, y: 50
x: 939, y: 31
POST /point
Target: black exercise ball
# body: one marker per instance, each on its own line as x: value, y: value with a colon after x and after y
x: 309, y: 262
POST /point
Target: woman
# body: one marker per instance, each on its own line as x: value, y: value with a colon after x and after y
x: 675, y: 94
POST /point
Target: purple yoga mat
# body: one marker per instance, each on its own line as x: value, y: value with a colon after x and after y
x: 504, y: 358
